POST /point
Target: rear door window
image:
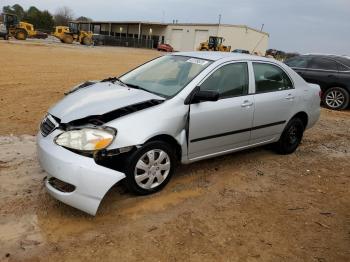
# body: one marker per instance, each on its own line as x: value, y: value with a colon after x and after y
x: 270, y: 78
x: 323, y: 64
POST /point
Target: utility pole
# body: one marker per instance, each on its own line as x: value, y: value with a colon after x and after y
x: 217, y: 33
x: 262, y: 27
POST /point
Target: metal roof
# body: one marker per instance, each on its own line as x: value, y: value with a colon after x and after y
x: 170, y: 24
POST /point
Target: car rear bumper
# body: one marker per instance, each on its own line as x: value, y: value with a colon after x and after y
x: 90, y: 181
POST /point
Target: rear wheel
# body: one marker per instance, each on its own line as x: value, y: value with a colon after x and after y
x: 86, y: 41
x: 336, y: 98
x: 291, y: 137
x: 150, y: 168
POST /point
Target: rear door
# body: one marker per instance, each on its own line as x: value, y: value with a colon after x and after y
x: 274, y: 102
x: 223, y: 125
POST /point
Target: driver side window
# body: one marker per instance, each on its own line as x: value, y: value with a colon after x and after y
x: 229, y: 80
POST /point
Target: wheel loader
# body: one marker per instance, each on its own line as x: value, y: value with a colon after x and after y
x: 19, y: 30
x: 69, y: 34
x: 215, y: 43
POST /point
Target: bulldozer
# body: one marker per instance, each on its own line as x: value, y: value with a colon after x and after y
x: 215, y: 43
x: 69, y: 34
x: 19, y: 30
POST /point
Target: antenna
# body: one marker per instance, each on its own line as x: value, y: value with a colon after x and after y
x: 219, y: 19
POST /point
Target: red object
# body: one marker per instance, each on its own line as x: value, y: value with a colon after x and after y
x: 165, y: 48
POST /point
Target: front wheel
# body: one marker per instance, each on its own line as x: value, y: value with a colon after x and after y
x: 336, y: 98
x: 291, y: 137
x: 150, y: 168
x: 21, y: 35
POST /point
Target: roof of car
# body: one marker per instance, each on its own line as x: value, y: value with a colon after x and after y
x: 340, y: 58
x: 214, y: 56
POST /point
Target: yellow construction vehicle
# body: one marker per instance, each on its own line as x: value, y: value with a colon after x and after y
x: 20, y: 30
x: 68, y: 34
x: 215, y: 43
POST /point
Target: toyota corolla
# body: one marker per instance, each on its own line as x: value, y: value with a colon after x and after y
x: 178, y: 108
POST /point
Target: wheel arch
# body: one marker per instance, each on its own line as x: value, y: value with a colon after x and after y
x: 170, y: 140
x: 303, y: 116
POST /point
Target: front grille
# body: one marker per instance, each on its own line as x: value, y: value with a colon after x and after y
x: 48, y: 125
x: 61, y: 185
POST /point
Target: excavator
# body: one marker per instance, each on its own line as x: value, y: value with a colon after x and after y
x: 17, y: 29
x: 215, y: 43
x: 72, y: 32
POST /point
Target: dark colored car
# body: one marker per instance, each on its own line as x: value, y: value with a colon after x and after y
x: 241, y: 51
x: 331, y: 72
x: 165, y: 48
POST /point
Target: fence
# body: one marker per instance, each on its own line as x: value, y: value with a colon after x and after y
x: 123, y: 41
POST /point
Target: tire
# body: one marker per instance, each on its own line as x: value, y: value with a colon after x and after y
x: 21, y: 35
x: 142, y: 177
x: 336, y: 98
x: 67, y: 39
x: 86, y: 41
x: 6, y: 37
x: 291, y: 137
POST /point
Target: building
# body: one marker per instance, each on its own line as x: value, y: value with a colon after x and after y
x: 182, y: 36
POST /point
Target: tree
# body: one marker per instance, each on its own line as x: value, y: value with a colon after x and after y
x: 63, y: 15
x: 84, y: 19
x: 15, y: 9
x: 40, y: 19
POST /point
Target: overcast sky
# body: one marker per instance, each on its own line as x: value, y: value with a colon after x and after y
x: 294, y: 25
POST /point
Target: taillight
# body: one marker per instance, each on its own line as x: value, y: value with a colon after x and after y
x: 320, y: 94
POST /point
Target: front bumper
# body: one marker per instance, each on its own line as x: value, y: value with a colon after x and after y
x: 90, y: 180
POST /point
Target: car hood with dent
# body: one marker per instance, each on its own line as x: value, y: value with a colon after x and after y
x: 98, y: 99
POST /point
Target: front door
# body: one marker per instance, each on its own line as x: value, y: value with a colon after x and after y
x: 223, y: 125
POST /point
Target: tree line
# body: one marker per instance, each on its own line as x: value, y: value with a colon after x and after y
x: 43, y: 19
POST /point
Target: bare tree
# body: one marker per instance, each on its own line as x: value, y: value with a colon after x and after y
x: 63, y: 15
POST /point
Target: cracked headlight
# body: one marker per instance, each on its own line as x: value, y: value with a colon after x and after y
x: 86, y: 139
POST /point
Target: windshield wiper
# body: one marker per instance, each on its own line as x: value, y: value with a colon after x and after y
x: 141, y: 88
x: 113, y: 80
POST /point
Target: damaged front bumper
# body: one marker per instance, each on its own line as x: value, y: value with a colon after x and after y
x: 88, y: 181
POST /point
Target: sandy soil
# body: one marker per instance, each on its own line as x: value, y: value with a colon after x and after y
x: 249, y: 206
x: 35, y: 75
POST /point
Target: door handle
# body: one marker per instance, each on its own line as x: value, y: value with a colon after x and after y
x: 290, y: 97
x: 247, y: 103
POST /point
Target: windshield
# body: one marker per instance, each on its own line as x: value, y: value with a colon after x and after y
x: 165, y: 76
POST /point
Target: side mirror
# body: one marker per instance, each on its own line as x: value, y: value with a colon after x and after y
x: 198, y: 96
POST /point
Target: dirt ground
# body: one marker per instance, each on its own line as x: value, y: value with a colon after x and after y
x: 249, y: 206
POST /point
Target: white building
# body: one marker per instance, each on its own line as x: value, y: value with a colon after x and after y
x: 183, y: 36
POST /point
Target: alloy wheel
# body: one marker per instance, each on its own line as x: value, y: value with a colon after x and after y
x: 335, y: 99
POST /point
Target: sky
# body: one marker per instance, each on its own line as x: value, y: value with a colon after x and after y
x: 304, y: 26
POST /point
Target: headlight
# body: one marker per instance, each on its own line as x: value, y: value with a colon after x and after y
x: 86, y: 139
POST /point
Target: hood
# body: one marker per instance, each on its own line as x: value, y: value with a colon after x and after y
x: 98, y: 99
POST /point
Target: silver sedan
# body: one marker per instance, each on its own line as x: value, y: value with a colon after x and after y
x: 178, y: 108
